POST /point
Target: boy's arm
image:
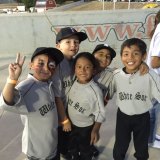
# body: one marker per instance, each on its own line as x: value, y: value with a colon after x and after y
x: 95, y: 133
x: 15, y: 70
x: 144, y: 69
x: 155, y: 62
x: 62, y: 115
x: 8, y: 92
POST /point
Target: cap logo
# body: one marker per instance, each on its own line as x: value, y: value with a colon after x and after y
x: 106, y: 45
x: 73, y: 30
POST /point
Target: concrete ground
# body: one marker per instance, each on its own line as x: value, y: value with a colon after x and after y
x: 11, y: 127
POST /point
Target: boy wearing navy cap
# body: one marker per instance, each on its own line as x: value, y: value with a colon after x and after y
x: 33, y: 99
x: 67, y: 41
x: 68, y: 32
x: 104, y: 55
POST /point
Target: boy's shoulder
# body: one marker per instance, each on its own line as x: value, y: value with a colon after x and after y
x: 26, y: 83
x: 118, y: 70
x: 111, y: 70
x: 95, y: 86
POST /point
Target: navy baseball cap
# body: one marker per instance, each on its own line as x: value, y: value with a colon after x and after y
x: 105, y: 46
x: 69, y: 31
x: 54, y: 53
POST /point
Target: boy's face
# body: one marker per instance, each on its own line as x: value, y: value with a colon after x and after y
x: 43, y: 67
x: 132, y: 58
x: 84, y: 70
x: 104, y: 57
x: 69, y: 46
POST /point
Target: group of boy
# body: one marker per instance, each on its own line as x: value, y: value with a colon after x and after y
x: 52, y: 76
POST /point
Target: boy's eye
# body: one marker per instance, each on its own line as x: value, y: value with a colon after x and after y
x: 41, y: 64
x: 52, y: 65
x: 76, y: 42
x: 78, y: 67
x: 88, y: 67
x: 101, y: 55
x: 125, y: 54
x: 136, y: 53
x: 108, y: 57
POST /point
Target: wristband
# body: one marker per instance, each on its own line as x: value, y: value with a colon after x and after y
x: 11, y: 81
x: 65, y: 121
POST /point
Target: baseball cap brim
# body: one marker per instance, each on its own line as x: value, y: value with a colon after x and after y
x: 54, y: 53
x: 81, y: 36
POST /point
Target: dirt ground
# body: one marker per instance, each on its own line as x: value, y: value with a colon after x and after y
x: 96, y: 5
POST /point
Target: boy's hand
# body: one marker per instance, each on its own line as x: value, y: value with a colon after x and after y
x: 67, y: 127
x: 144, y: 69
x: 95, y: 133
x: 94, y: 136
x: 106, y: 99
x: 15, y: 68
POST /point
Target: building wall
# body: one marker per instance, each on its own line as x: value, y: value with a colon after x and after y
x: 23, y: 32
x: 7, y: 1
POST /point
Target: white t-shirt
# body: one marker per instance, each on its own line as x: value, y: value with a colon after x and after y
x: 154, y: 49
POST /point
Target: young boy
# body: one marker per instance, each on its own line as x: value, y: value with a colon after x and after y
x: 34, y: 100
x: 104, y: 55
x: 67, y: 41
x: 134, y: 96
x: 85, y: 108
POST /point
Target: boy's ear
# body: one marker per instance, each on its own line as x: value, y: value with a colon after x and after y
x: 57, y: 45
x: 30, y: 65
x: 144, y: 56
x: 110, y: 62
x: 94, y: 72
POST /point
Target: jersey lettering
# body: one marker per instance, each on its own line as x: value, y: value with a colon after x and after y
x: 70, y: 102
x: 129, y: 96
x: 125, y: 96
x: 76, y: 106
x: 46, y: 108
x: 67, y: 83
x: 138, y: 96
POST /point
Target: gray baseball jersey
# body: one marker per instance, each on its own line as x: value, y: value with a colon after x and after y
x: 85, y: 104
x: 135, y: 92
x: 34, y: 101
x: 63, y: 79
x: 103, y: 79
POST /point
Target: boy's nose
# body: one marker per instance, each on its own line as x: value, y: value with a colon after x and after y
x: 104, y: 58
x: 131, y: 56
x: 45, y: 67
x: 73, y: 44
x: 83, y: 69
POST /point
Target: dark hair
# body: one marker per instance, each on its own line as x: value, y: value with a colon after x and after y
x: 88, y: 56
x: 134, y: 41
x: 156, y: 22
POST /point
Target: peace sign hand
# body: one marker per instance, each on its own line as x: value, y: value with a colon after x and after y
x: 15, y: 68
